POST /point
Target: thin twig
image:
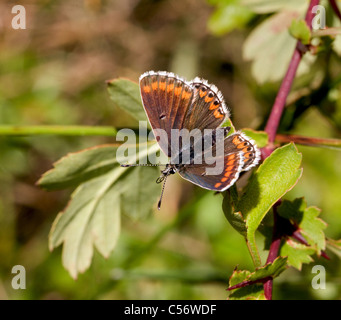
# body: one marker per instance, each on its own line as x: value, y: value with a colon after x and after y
x: 309, y: 141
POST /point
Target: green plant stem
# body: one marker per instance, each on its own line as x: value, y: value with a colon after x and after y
x: 41, y: 130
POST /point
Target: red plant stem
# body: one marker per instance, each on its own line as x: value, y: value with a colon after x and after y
x: 278, y: 107
x: 248, y: 283
x: 335, y: 8
x: 273, y: 251
x: 279, y: 104
x: 271, y: 129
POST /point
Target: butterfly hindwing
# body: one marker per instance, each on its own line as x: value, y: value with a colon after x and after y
x: 240, y: 154
x: 197, y: 174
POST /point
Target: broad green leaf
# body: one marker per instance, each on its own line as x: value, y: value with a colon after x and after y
x: 126, y: 95
x: 270, y: 48
x: 268, y: 6
x: 80, y: 166
x: 275, y: 177
x: 297, y: 253
x: 300, y: 31
x: 229, y: 16
x: 306, y: 220
x: 260, y: 137
x: 139, y: 192
x: 92, y: 217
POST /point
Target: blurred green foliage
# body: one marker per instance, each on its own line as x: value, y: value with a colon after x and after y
x: 54, y: 72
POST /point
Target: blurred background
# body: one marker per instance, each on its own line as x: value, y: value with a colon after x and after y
x: 54, y: 73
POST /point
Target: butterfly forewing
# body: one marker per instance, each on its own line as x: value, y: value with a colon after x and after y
x: 207, y: 109
x: 166, y: 99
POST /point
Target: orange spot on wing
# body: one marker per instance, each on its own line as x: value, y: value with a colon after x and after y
x: 217, y: 114
x: 230, y: 163
x: 213, y: 106
x: 202, y: 93
x: 217, y: 185
x: 229, y: 168
x: 170, y: 87
x: 236, y: 140
x: 231, y: 156
x: 154, y: 85
x: 162, y: 85
x: 208, y: 99
x: 186, y: 95
x: 146, y: 89
x: 227, y: 174
x: 177, y: 91
x: 223, y: 179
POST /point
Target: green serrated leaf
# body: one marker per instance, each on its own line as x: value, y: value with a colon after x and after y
x: 276, y: 176
x: 255, y: 290
x: 272, y: 270
x: 79, y: 166
x: 92, y: 217
x: 260, y: 137
x: 300, y: 31
x: 252, y: 292
x: 77, y: 226
x: 306, y: 220
x: 126, y: 95
x: 297, y: 253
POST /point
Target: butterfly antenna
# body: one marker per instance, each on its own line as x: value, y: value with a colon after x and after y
x: 141, y: 165
x: 163, y: 189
